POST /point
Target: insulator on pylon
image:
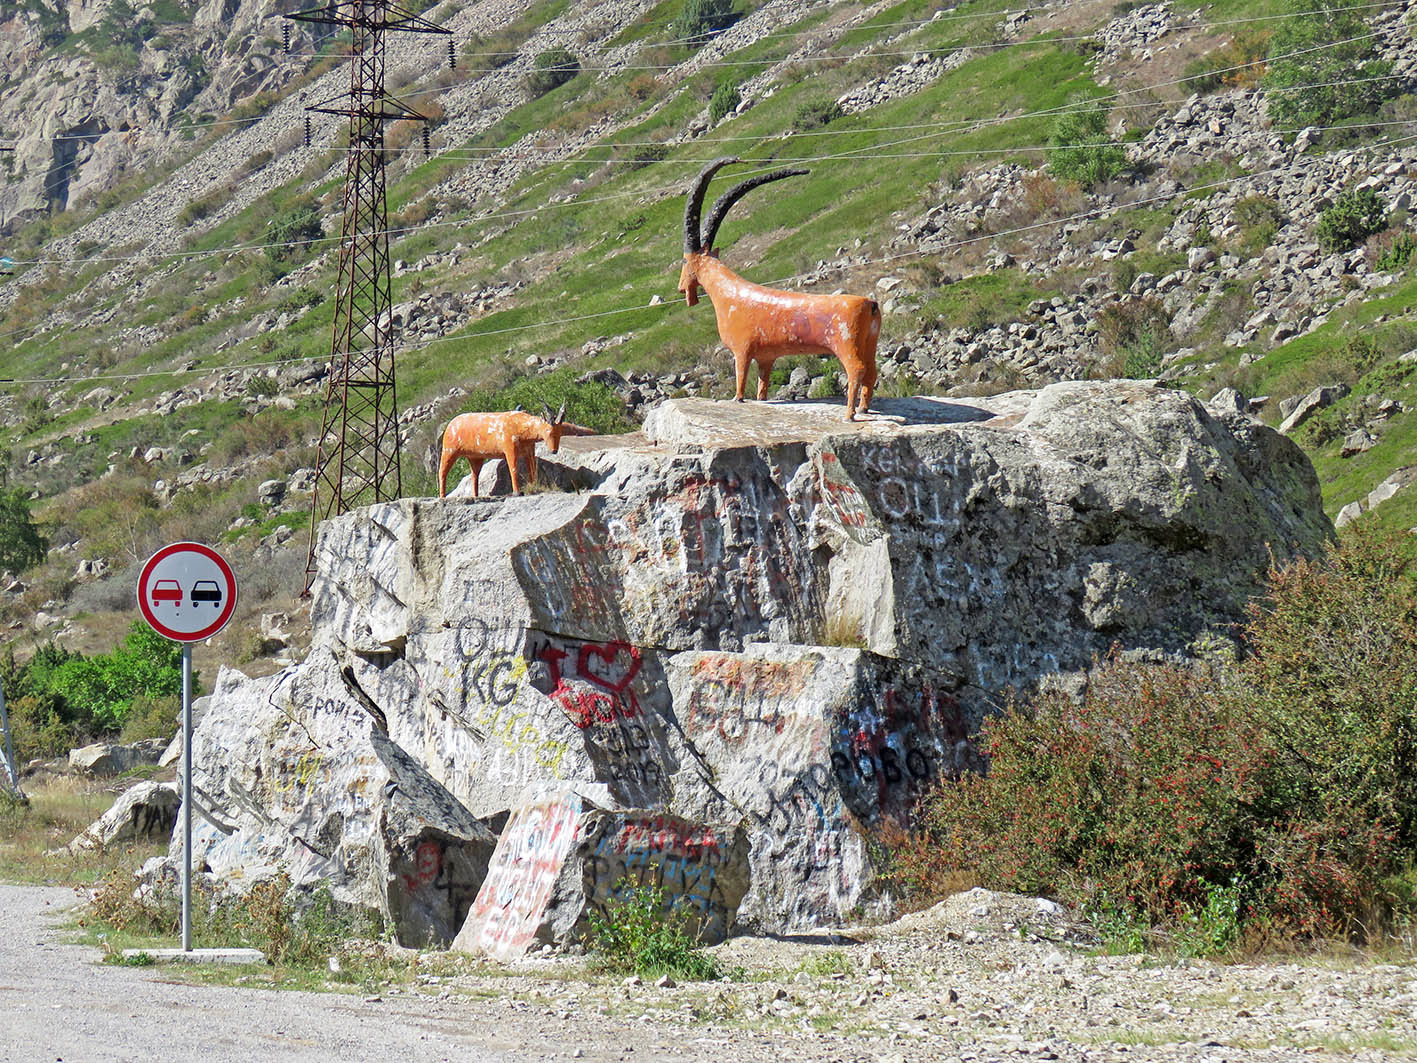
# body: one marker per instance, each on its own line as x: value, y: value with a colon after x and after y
x: 285, y: 36
x: 452, y: 55
x: 307, y: 130
x: 426, y: 149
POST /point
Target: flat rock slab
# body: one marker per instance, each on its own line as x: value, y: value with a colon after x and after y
x: 222, y: 957
x: 714, y: 423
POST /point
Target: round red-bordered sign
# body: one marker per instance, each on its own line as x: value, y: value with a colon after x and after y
x: 187, y: 592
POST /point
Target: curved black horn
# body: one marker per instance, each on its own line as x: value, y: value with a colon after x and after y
x: 695, y: 203
x: 722, y: 204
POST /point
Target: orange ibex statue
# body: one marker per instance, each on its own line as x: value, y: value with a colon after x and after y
x: 482, y: 437
x: 762, y: 324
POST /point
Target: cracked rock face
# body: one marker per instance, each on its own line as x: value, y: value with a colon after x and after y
x: 294, y: 773
x: 755, y: 620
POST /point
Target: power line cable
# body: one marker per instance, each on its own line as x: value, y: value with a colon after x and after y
x: 1029, y: 42
x: 814, y: 274
x: 963, y: 126
x: 942, y: 129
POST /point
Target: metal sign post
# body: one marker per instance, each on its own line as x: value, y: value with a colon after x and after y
x: 186, y: 797
x: 12, y: 770
x: 187, y: 593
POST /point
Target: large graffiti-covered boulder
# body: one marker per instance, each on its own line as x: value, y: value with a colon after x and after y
x: 750, y: 618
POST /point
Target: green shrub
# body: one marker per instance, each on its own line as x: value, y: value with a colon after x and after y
x: 203, y: 206
x: 1136, y: 332
x: 1278, y: 794
x: 1142, y: 357
x: 37, y: 728
x: 1354, y: 216
x: 1334, y: 674
x: 640, y: 930
x: 1081, y: 149
x: 101, y: 689
x: 290, y: 234
x: 149, y: 717
x: 816, y: 113
x: 1326, y: 84
x: 698, y: 19
x: 725, y: 101
x: 826, y: 386
x: 637, y: 158
x: 292, y: 929
x: 1234, y: 63
x: 261, y: 386
x: 551, y: 69
x: 1213, y: 927
x: 1258, y: 219
x: 1396, y: 252
x: 21, y: 545
x: 302, y: 298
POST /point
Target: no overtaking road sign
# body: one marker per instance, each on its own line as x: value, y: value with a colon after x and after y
x: 187, y: 592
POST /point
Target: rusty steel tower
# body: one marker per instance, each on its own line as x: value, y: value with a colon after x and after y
x: 358, y: 457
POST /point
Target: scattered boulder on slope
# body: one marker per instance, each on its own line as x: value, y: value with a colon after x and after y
x: 758, y: 618
x: 103, y: 759
x: 146, y: 812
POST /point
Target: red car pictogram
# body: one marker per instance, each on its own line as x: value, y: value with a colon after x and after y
x: 167, y: 590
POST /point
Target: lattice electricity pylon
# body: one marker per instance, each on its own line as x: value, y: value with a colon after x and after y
x: 358, y: 457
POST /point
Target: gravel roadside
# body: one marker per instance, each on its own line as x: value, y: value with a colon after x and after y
x: 980, y: 977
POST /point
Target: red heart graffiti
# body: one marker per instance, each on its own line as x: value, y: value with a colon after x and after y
x: 609, y: 653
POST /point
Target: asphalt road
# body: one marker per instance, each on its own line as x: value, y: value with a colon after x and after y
x: 58, y: 1002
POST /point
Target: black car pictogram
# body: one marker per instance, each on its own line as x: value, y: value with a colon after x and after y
x: 205, y: 590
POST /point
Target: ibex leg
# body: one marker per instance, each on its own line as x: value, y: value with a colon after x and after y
x: 764, y: 376
x: 740, y: 369
x: 853, y: 389
x: 868, y: 389
x: 445, y: 465
x: 475, y: 464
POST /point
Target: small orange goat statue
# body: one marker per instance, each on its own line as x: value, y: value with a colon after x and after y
x: 483, y: 437
x: 762, y: 324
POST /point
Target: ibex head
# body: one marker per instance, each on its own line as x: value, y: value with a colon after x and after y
x: 699, y: 245
x: 555, y: 426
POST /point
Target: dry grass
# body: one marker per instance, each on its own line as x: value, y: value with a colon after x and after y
x: 60, y: 808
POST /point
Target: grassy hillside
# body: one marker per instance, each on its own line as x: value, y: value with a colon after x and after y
x: 573, y: 201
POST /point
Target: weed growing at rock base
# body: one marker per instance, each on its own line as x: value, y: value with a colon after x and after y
x: 640, y: 931
x: 298, y: 932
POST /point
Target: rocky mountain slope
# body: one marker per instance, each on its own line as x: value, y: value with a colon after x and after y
x: 168, y: 319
